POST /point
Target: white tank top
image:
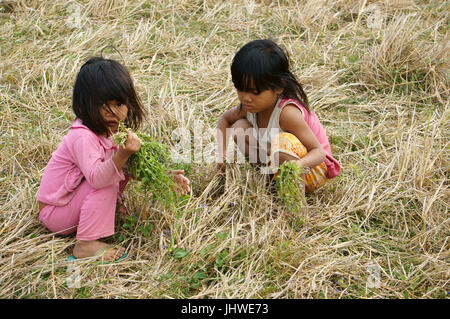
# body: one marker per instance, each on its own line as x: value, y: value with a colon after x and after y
x: 264, y: 136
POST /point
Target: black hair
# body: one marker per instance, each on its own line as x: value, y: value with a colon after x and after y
x: 263, y: 65
x: 101, y: 80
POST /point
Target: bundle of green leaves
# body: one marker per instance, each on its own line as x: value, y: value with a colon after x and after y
x: 290, y: 186
x: 149, y: 166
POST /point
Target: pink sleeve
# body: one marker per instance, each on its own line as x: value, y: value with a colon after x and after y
x: 89, y: 157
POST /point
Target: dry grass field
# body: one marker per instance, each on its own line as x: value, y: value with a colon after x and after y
x: 376, y: 73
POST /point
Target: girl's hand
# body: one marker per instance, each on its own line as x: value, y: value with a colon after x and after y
x: 181, y: 181
x: 133, y: 143
x: 300, y: 163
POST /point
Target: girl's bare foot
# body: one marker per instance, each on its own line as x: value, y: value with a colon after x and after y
x: 91, y: 248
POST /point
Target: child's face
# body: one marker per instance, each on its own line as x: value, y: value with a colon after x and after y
x: 116, y: 112
x: 254, y: 101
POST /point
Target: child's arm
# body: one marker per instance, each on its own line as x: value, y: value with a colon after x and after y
x: 292, y: 121
x: 181, y: 181
x: 98, y: 172
x: 226, y: 121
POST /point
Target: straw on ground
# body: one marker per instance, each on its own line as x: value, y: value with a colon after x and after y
x: 376, y: 72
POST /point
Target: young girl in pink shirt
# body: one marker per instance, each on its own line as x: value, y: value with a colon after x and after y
x: 274, y: 122
x: 84, y: 177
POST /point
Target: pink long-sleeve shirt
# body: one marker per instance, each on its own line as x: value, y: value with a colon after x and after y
x: 82, y: 155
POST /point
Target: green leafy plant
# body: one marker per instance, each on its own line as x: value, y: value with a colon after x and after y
x: 290, y: 186
x: 146, y: 229
x: 179, y: 253
x: 130, y: 223
x: 149, y: 166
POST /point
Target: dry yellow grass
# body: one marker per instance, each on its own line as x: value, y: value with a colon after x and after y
x: 376, y: 73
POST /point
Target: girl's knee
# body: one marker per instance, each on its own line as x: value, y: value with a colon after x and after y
x: 241, y: 128
x: 101, y: 199
x: 241, y: 123
x: 106, y: 193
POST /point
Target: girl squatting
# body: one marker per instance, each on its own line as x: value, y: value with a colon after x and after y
x: 273, y: 122
x: 85, y: 175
